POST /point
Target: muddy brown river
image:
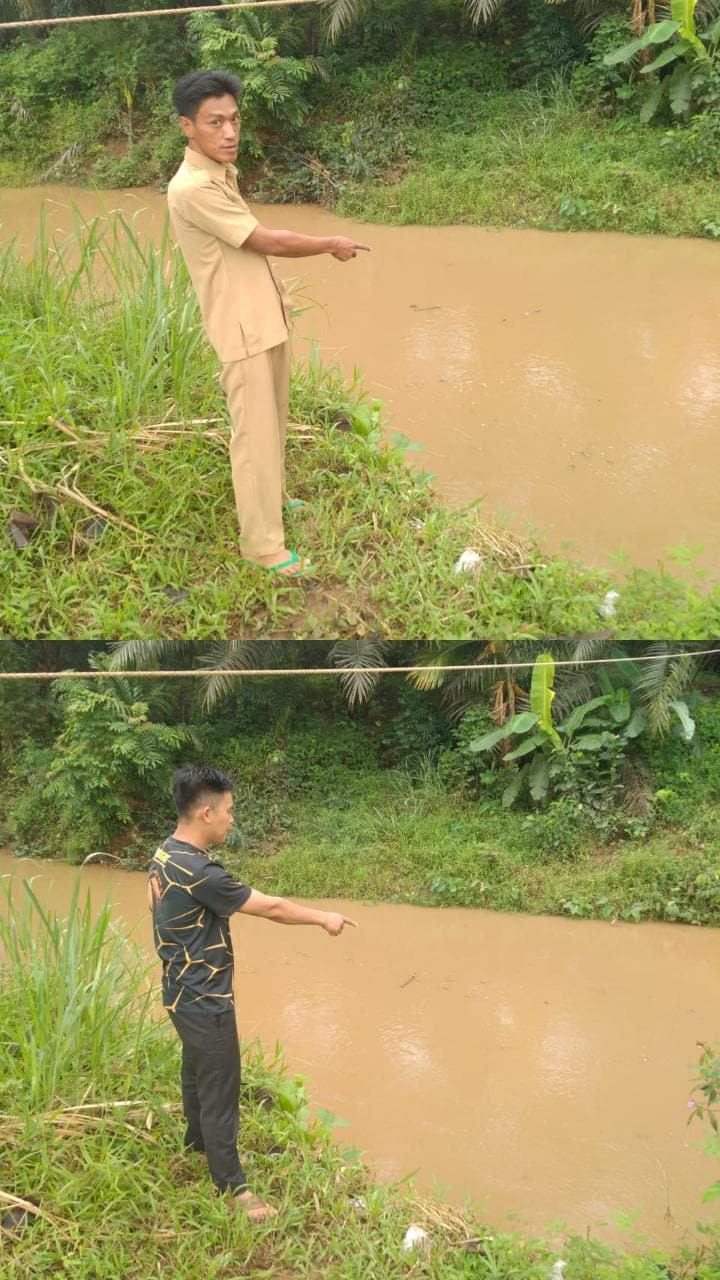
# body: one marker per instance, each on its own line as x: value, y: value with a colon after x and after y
x: 568, y: 380
x: 540, y: 1066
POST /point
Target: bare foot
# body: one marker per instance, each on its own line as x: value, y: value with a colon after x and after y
x: 255, y: 1208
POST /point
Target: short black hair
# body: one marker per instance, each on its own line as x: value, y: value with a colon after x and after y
x: 192, y: 781
x: 192, y: 90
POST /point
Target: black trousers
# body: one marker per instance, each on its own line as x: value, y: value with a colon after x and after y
x: 211, y: 1092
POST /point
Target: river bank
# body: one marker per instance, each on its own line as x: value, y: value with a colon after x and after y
x: 608, y: 1105
x: 487, y: 347
x: 142, y: 539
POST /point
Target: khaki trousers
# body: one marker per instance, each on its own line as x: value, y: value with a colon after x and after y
x: 258, y: 390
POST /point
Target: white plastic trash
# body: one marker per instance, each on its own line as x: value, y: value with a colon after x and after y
x: 468, y: 562
x: 416, y: 1238
x: 556, y: 1271
x: 607, y: 608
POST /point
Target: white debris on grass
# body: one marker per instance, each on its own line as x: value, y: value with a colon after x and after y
x: 607, y: 608
x: 416, y: 1238
x: 469, y: 562
x: 556, y: 1271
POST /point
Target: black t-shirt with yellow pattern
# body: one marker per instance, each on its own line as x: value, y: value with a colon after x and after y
x: 192, y: 898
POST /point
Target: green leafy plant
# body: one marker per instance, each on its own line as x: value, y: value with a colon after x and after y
x: 708, y: 1085
x: 113, y: 747
x: 684, y: 48
x: 603, y: 726
x: 261, y: 51
x: 74, y: 1002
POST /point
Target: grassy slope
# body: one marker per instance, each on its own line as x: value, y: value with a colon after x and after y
x: 435, y: 850
x: 538, y: 160
x: 117, y: 1198
x: 82, y: 389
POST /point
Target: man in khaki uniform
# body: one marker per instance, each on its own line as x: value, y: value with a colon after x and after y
x: 245, y: 308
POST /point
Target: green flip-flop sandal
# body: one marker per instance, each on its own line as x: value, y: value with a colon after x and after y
x: 286, y: 564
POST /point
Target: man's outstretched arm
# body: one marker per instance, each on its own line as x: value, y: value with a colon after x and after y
x: 293, y: 244
x: 282, y: 911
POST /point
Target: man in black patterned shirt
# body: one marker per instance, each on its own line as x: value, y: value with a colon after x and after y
x: 191, y: 897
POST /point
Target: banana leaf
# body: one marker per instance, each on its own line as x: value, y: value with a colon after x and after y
x: 655, y: 34
x: 637, y: 723
x: 680, y: 89
x: 686, y: 720
x: 514, y: 787
x: 539, y: 777
x: 542, y: 695
x: 528, y: 745
x: 675, y: 51
x: 517, y: 724
x: 683, y: 12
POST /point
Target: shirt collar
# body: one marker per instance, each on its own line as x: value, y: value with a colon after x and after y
x: 201, y: 161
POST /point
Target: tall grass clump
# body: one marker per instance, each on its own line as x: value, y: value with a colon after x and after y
x: 98, y: 328
x: 75, y: 1004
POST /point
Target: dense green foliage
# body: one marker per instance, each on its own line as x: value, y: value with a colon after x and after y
x: 518, y: 120
x: 116, y: 1197
x: 385, y: 800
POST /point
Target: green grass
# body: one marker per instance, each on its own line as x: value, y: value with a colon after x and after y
x: 422, y: 846
x: 536, y: 158
x: 137, y: 536
x: 117, y: 1199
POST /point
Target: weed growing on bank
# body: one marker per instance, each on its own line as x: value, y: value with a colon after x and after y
x: 116, y: 505
x: 97, y: 1152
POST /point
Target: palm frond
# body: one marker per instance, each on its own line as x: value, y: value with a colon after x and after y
x: 357, y: 686
x: 663, y: 681
x: 481, y: 10
x: 341, y: 14
x: 128, y: 655
x: 441, y: 655
x: 230, y: 655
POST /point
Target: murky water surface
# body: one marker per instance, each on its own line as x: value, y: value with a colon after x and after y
x: 571, y: 381
x: 538, y: 1065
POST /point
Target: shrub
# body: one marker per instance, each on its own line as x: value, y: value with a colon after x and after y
x: 596, y: 85
x: 110, y: 756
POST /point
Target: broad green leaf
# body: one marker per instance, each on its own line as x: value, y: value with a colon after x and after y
x: 529, y: 744
x: 660, y: 31
x: 523, y: 721
x: 637, y: 723
x: 668, y: 55
x: 712, y: 1193
x: 624, y: 53
x: 652, y: 102
x: 542, y: 695
x: 619, y: 706
x: 539, y: 777
x: 517, y: 724
x: 512, y: 790
x: 589, y: 742
x: 655, y: 34
x: 686, y: 720
x: 683, y: 11
x: 680, y: 89
x: 578, y: 715
x: 488, y: 740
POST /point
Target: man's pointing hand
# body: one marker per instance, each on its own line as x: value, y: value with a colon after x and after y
x: 334, y: 923
x: 344, y: 249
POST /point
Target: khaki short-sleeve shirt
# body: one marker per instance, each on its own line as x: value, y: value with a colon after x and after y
x: 245, y: 308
